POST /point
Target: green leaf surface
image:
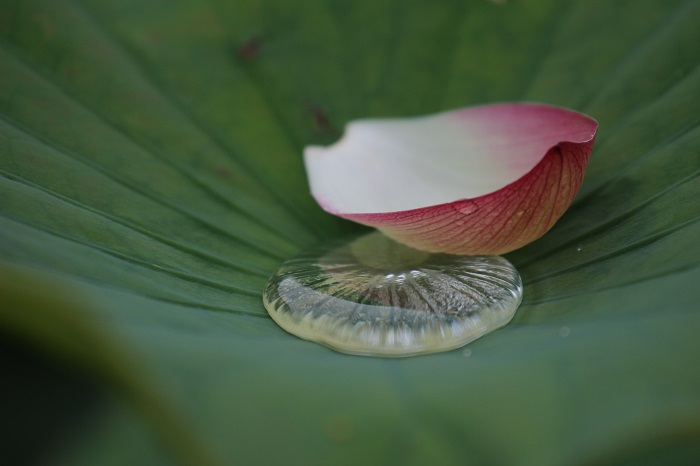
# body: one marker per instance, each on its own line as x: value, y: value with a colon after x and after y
x: 151, y: 180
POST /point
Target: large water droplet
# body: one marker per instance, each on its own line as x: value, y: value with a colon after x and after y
x: 373, y: 296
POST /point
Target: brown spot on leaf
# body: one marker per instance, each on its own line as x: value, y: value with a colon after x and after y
x: 250, y: 49
x: 225, y: 173
x: 319, y: 120
x: 339, y: 428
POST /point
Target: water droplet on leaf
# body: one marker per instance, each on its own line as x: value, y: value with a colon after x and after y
x: 373, y: 296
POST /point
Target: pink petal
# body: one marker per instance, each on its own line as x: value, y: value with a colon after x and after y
x: 480, y: 180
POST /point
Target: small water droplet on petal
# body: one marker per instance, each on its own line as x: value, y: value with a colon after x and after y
x: 467, y: 207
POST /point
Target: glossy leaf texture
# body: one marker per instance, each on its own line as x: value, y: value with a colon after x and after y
x: 151, y: 179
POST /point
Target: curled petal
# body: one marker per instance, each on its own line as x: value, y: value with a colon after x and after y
x: 479, y: 180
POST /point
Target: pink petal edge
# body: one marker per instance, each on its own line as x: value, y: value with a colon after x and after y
x: 510, y: 217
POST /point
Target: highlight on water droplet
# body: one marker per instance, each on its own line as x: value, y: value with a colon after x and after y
x: 376, y: 297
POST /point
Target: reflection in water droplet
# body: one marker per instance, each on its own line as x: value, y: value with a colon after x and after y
x: 373, y: 296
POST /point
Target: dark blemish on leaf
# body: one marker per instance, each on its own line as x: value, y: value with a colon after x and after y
x: 250, y: 49
x: 47, y: 25
x: 224, y: 173
x: 320, y: 121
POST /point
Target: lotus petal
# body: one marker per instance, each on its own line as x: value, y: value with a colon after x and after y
x: 478, y: 180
